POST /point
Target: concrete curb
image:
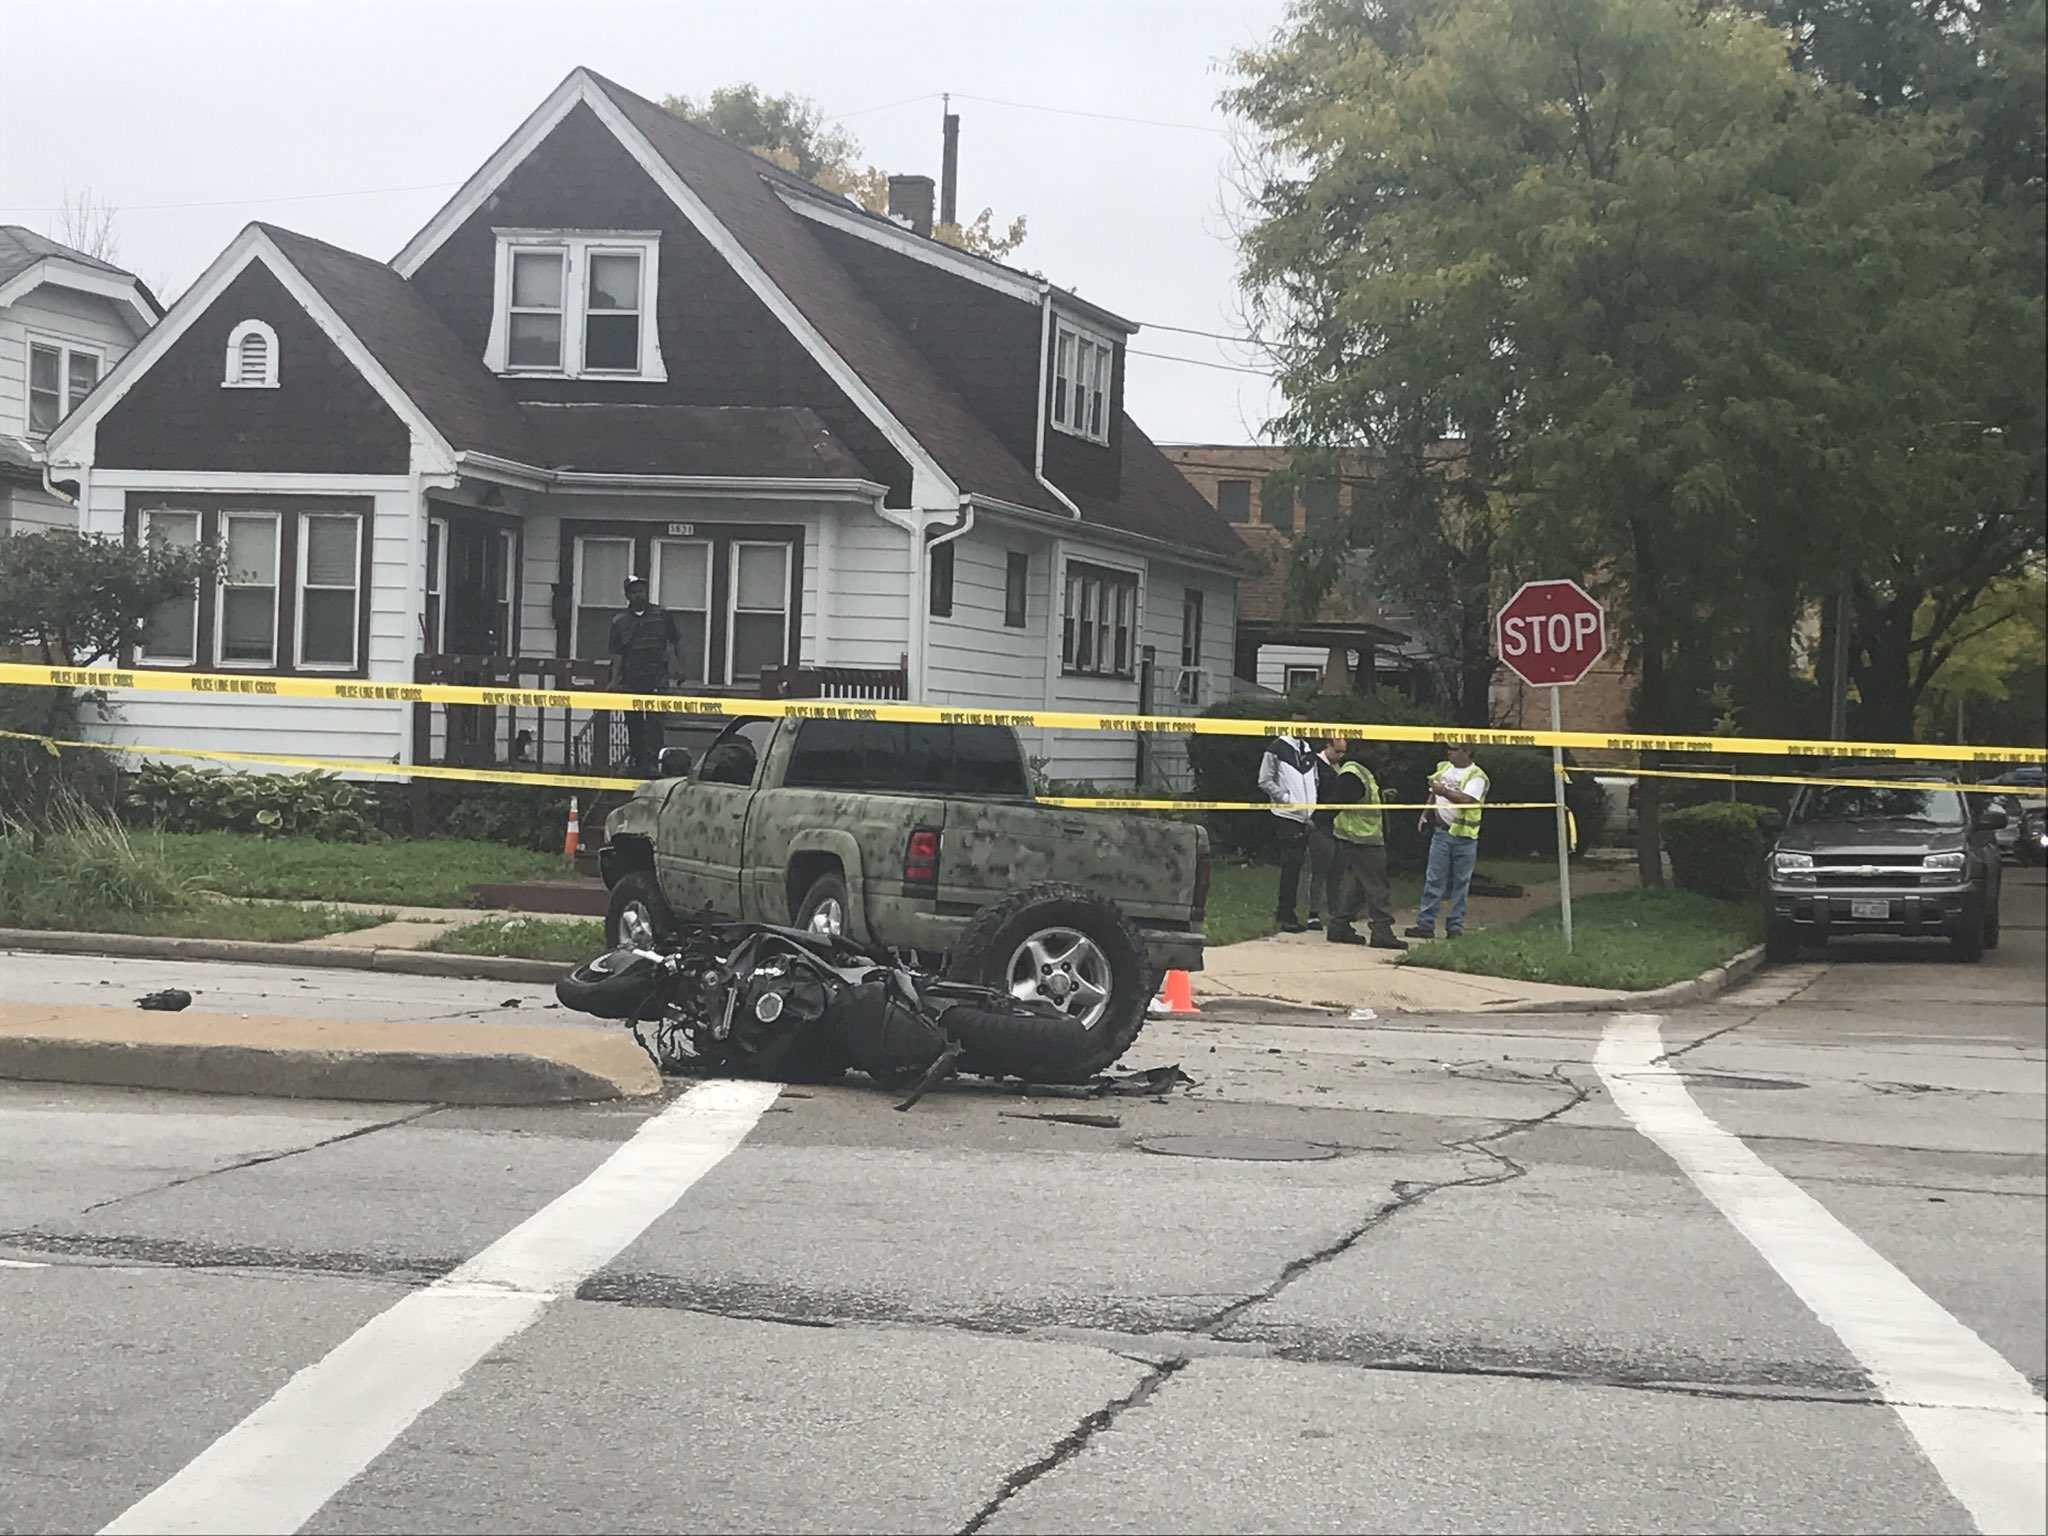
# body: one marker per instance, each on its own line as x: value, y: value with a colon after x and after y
x: 1709, y: 983
x: 408, y: 962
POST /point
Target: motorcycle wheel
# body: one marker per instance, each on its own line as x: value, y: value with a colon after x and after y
x: 1053, y: 945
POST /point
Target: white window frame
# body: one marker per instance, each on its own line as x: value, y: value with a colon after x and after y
x: 508, y: 639
x: 1193, y: 602
x: 65, y: 349
x: 661, y: 598
x: 732, y: 595
x: 576, y: 603
x: 1092, y: 604
x: 220, y: 606
x: 1072, y: 393
x: 577, y: 247
x: 143, y: 657
x: 232, y: 378
x: 437, y: 585
x: 355, y: 612
x: 1296, y: 672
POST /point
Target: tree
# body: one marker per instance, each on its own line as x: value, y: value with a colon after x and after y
x: 1987, y: 685
x: 1669, y: 297
x: 85, y: 223
x: 792, y: 132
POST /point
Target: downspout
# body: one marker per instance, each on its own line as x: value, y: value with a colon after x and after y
x: 913, y: 626
x: 1045, y: 364
x: 50, y: 489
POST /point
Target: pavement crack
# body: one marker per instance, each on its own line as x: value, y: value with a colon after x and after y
x: 1075, y: 1441
x: 262, y: 1158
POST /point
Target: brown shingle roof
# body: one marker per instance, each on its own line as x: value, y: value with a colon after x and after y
x: 736, y: 440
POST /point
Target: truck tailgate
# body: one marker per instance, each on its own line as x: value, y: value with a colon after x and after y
x: 992, y: 848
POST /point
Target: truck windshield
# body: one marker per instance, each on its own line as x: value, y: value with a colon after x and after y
x: 890, y: 754
x: 1854, y: 802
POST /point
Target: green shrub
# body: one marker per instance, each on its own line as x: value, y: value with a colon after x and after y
x: 515, y: 815
x: 83, y: 863
x: 186, y: 799
x: 1717, y: 849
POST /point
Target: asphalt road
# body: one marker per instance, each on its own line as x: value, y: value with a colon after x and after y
x: 1775, y: 1265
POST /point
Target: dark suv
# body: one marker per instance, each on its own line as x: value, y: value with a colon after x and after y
x: 1884, y: 858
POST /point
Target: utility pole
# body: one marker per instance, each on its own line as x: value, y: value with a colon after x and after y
x: 1838, y: 684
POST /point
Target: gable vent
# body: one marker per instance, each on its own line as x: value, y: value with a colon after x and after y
x: 252, y: 357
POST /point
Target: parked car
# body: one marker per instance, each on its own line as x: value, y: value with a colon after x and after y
x: 898, y: 835
x: 1885, y: 858
x: 2032, y: 847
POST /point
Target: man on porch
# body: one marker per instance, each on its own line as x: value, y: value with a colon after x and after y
x: 643, y: 641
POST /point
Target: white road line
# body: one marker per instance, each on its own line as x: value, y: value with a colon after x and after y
x: 274, y: 1470
x: 1974, y: 1416
x: 20, y: 1264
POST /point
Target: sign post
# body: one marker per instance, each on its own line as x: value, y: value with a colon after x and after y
x: 1549, y: 634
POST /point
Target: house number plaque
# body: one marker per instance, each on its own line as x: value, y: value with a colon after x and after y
x: 681, y: 530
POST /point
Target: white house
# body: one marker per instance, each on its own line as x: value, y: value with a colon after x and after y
x: 66, y: 319
x: 627, y: 346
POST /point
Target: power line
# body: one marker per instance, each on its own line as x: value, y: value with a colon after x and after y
x: 1109, y: 117
x: 1188, y: 330
x: 1197, y: 362
x: 887, y: 106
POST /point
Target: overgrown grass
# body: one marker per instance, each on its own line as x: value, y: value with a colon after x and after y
x: 87, y: 873
x: 567, y: 940
x: 1625, y: 941
x: 436, y: 872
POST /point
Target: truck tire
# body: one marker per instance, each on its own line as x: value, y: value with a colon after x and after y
x: 827, y: 898
x: 1056, y: 943
x: 1781, y: 943
x: 637, y: 899
x: 1967, y: 943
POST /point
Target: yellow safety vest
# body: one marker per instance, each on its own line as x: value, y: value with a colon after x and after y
x: 1464, y: 818
x: 1361, y: 825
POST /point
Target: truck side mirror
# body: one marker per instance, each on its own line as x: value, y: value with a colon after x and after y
x: 1770, y: 820
x: 673, y: 763
x: 1991, y: 818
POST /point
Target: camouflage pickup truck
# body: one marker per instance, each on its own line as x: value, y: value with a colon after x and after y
x: 900, y: 834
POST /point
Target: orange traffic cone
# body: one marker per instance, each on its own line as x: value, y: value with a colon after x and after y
x: 570, y: 837
x: 1177, y: 995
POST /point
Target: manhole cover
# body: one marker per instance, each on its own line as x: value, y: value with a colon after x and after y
x: 1734, y: 1080
x: 1244, y: 1149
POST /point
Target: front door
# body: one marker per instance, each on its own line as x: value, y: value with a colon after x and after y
x: 476, y: 590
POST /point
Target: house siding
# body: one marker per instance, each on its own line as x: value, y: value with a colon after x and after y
x: 300, y: 727
x: 323, y: 418
x: 983, y: 343
x: 61, y: 314
x: 720, y: 344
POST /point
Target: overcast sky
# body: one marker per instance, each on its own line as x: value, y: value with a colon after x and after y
x: 245, y: 109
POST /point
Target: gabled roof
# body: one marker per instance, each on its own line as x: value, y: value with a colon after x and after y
x: 467, y: 403
x: 1156, y: 501
x: 22, y: 250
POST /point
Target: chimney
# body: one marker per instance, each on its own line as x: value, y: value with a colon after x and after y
x: 949, y: 171
x: 910, y: 200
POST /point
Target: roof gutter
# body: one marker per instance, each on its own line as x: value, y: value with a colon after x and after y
x: 1183, y: 553
x: 1044, y: 363
x: 487, y: 466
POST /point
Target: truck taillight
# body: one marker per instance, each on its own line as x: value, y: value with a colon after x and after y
x: 1201, y: 903
x: 921, y: 858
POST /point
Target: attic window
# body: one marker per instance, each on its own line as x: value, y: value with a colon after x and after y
x: 1082, y: 362
x: 252, y: 357
x: 576, y: 304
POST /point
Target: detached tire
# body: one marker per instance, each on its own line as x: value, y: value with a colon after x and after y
x: 1058, y: 945
x: 637, y: 898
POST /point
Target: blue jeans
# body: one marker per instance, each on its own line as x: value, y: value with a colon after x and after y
x: 1448, y: 873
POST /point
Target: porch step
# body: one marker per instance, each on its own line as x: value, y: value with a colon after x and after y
x: 569, y: 897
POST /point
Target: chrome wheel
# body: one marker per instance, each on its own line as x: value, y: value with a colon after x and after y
x: 828, y: 918
x: 1065, y: 968
x: 636, y: 925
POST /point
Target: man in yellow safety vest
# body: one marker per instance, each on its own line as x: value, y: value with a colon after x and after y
x: 1457, y: 795
x: 1360, y: 876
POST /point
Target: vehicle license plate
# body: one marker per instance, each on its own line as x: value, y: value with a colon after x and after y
x: 1880, y: 910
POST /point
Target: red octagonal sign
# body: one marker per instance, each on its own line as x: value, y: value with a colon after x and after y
x: 1550, y: 632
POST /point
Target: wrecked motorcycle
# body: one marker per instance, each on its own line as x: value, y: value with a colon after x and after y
x: 760, y: 1000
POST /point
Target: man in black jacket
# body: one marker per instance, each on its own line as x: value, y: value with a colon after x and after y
x: 642, y: 645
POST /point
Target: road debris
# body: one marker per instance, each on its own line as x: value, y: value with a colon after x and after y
x: 170, y: 1000
x: 1096, y: 1122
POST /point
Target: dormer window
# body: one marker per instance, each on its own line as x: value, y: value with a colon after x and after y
x: 1082, y: 361
x: 252, y: 357
x: 576, y: 304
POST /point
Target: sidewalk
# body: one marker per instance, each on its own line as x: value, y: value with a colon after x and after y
x: 1308, y: 970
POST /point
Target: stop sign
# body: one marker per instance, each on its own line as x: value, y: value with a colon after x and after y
x: 1550, y: 632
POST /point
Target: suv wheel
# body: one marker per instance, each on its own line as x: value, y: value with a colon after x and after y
x: 1781, y: 942
x: 1968, y: 944
x: 1991, y: 927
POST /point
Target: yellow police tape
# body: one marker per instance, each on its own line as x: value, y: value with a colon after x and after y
x: 216, y: 685
x: 1139, y: 803
x: 2019, y: 791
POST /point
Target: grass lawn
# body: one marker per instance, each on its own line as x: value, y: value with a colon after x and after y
x: 525, y: 938
x: 1241, y: 893
x: 209, y: 920
x: 1625, y: 940
x: 435, y: 872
